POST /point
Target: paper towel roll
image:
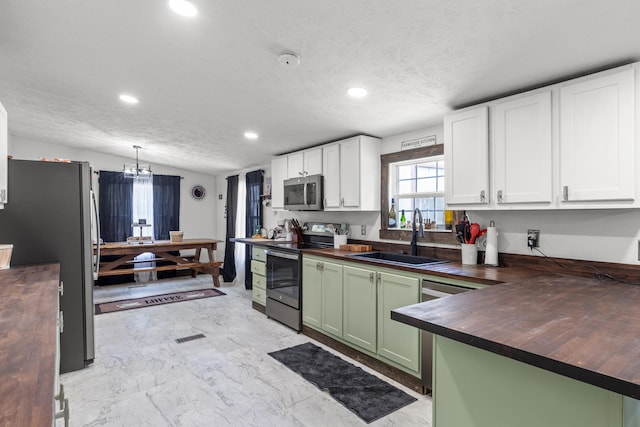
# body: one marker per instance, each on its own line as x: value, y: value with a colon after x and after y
x: 491, y: 253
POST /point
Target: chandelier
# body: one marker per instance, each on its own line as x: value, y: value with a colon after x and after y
x: 137, y: 170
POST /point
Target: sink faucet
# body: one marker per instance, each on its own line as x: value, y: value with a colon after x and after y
x: 414, y: 244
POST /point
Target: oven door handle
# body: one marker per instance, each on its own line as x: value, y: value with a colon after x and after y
x: 294, y: 257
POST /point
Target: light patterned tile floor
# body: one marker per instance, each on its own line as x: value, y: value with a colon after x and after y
x: 142, y: 377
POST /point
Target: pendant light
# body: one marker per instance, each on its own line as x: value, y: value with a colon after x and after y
x: 137, y: 170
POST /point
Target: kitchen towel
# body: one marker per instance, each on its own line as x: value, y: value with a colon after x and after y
x: 491, y: 252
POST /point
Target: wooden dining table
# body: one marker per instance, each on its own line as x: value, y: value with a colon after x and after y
x: 127, y: 251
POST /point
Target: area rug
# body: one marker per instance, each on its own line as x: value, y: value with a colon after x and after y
x: 364, y: 394
x: 128, y: 304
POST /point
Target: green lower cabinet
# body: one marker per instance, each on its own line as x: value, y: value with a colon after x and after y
x: 258, y: 280
x: 359, y: 307
x: 259, y: 291
x: 322, y: 295
x: 473, y: 387
x: 398, y: 342
x: 353, y: 304
x: 311, y: 293
x: 331, y: 298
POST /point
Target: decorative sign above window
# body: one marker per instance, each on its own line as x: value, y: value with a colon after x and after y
x: 418, y: 142
x: 198, y: 192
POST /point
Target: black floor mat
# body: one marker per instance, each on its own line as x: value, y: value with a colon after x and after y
x: 364, y: 394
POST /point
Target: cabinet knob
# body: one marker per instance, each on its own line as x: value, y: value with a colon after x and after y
x: 3, y: 195
x: 499, y: 196
x: 301, y: 173
x: 61, y: 288
x: 371, y: 277
x: 482, y: 197
x: 565, y: 193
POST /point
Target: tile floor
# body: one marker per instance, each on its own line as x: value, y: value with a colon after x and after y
x: 142, y: 377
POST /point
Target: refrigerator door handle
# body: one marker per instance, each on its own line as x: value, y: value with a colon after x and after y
x: 96, y: 218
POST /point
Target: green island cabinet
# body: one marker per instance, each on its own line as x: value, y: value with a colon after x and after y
x: 361, y: 298
x: 474, y: 387
x: 259, y: 277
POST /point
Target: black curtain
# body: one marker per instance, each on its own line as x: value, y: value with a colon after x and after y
x: 116, y: 206
x: 253, y: 218
x: 166, y: 205
x: 229, y: 266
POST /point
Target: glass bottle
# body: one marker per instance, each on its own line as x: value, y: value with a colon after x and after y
x: 403, y: 220
x: 392, y: 214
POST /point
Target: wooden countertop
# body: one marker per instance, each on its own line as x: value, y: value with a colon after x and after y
x: 452, y: 269
x: 28, y: 329
x: 585, y: 329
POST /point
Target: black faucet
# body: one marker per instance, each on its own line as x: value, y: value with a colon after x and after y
x: 414, y: 243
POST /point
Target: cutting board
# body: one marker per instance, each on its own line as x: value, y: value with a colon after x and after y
x: 356, y: 248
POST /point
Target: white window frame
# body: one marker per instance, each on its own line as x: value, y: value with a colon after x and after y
x: 394, y: 190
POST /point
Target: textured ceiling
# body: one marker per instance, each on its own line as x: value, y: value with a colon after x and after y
x: 203, y: 82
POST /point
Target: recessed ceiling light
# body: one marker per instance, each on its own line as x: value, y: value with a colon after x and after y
x: 251, y: 135
x: 128, y: 99
x: 183, y: 7
x: 357, y: 92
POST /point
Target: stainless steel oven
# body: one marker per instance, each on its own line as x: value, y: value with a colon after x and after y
x: 433, y: 290
x: 284, y: 286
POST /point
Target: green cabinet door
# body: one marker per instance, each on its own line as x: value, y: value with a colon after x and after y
x: 398, y: 342
x: 331, y: 298
x: 311, y: 293
x: 359, y: 307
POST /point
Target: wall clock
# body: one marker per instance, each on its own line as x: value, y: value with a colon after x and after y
x: 198, y: 192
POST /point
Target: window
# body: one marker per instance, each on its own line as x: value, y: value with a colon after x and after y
x: 414, y: 178
x: 419, y: 184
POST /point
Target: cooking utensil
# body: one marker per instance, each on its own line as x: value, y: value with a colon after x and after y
x: 460, y: 232
x: 474, y: 230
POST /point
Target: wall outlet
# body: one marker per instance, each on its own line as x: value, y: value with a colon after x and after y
x: 533, y: 238
x: 363, y: 230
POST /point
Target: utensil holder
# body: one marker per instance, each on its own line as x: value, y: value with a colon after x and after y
x: 469, y: 253
x: 339, y: 239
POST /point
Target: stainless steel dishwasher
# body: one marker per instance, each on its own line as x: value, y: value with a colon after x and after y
x: 432, y: 290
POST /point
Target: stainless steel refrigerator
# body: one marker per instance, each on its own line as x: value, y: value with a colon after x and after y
x: 49, y: 218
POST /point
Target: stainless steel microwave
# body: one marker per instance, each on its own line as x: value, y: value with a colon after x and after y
x: 304, y: 193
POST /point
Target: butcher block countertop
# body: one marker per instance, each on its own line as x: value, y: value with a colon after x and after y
x: 28, y: 329
x: 586, y: 329
x: 452, y: 269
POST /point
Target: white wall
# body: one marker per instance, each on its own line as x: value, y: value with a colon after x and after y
x: 197, y: 217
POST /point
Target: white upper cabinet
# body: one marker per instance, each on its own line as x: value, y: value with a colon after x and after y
x: 570, y: 145
x: 303, y: 163
x: 331, y: 172
x: 351, y: 170
x: 466, y: 157
x: 4, y: 141
x: 278, y: 175
x: 521, y: 150
x: 597, y: 141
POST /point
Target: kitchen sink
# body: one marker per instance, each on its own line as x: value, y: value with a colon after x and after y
x: 397, y: 259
